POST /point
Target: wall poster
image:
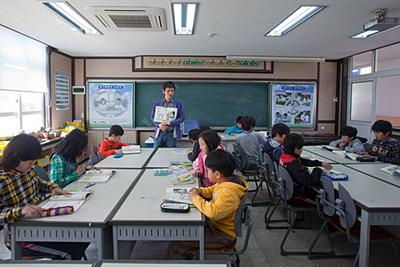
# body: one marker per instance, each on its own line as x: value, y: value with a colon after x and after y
x: 62, y: 90
x: 110, y: 103
x: 294, y: 104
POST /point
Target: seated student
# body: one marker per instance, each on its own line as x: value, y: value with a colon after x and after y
x: 296, y: 166
x: 218, y: 203
x: 21, y: 190
x: 64, y: 167
x: 194, y: 139
x: 112, y: 144
x: 236, y: 128
x: 384, y: 147
x: 209, y: 141
x: 273, y: 145
x: 349, y: 141
x: 250, y: 141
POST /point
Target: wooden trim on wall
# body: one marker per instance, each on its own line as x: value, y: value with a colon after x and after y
x: 326, y: 121
x: 200, y: 79
x: 84, y: 101
x: 50, y: 107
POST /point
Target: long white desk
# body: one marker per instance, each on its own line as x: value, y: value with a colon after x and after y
x: 46, y: 264
x: 379, y: 203
x: 309, y: 155
x: 140, y: 216
x: 127, y: 161
x: 163, y: 264
x: 164, y: 156
x: 336, y: 158
x: 87, y: 224
x: 374, y: 170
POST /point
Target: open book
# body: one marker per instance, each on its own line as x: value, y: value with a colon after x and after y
x: 165, y: 114
x: 132, y: 149
x: 335, y: 175
x: 392, y: 170
x: 75, y: 200
x: 178, y: 194
x: 181, y: 177
x: 96, y: 176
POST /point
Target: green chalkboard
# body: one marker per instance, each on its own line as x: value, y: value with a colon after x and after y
x: 215, y: 104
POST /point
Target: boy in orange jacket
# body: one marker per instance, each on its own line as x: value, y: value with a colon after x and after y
x: 112, y: 144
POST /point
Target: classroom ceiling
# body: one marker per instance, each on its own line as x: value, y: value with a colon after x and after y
x: 239, y: 27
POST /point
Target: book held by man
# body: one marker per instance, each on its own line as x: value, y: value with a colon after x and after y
x: 165, y: 114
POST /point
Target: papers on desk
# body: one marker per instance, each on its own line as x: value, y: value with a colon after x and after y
x: 75, y: 200
x: 165, y: 114
x: 335, y: 175
x: 178, y: 194
x: 392, y: 170
x: 132, y: 149
x: 96, y: 176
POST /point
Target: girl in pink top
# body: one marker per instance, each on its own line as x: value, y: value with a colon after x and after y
x: 209, y: 141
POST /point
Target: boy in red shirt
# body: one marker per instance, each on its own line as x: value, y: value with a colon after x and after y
x: 112, y: 144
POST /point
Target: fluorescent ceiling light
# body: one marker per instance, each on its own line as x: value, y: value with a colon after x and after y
x: 184, y: 15
x: 63, y: 9
x: 295, y: 19
x: 274, y: 58
x: 365, y: 34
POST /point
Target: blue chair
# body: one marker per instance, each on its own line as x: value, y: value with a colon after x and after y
x: 189, y: 125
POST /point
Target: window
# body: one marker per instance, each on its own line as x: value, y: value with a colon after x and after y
x: 362, y: 64
x: 387, y: 99
x: 388, y: 58
x: 361, y: 101
x: 23, y: 83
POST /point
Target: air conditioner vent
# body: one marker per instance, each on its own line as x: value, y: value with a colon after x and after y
x: 130, y: 18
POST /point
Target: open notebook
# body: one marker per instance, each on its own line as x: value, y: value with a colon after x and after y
x: 392, y: 170
x: 96, y: 176
x: 132, y: 149
x: 74, y: 200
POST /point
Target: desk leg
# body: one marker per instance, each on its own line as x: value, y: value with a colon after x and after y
x: 16, y: 251
x: 100, y: 245
x: 202, y: 245
x: 364, y: 239
x: 115, y: 243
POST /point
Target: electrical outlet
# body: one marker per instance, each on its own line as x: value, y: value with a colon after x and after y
x: 322, y: 127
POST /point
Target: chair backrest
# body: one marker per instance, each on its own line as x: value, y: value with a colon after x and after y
x: 189, y: 125
x: 326, y: 197
x: 243, y: 217
x: 345, y: 208
x: 362, y: 139
x: 269, y: 163
x: 286, y: 182
x: 41, y: 173
x: 95, y: 156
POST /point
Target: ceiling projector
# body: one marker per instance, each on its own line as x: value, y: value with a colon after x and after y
x: 380, y: 22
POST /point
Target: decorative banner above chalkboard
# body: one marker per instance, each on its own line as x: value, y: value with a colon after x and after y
x: 199, y: 63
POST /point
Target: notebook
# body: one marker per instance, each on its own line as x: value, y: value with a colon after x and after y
x: 74, y: 200
x: 178, y: 194
x: 132, y: 149
x: 96, y: 176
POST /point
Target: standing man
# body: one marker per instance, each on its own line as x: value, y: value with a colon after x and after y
x: 167, y: 133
